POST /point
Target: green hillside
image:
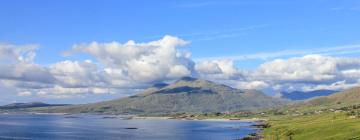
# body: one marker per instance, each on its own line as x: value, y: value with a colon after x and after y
x: 341, y: 99
x: 327, y: 126
x: 334, y: 117
x: 185, y: 95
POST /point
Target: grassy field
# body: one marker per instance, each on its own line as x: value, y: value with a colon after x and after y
x: 327, y: 126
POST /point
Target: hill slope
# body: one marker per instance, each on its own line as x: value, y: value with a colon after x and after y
x: 340, y: 99
x: 334, y: 117
x: 28, y: 105
x: 185, y: 95
x: 300, y: 95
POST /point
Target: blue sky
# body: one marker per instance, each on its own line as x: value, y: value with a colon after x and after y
x: 228, y: 29
x: 215, y: 28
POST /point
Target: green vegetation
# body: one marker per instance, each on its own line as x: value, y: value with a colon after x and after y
x: 327, y: 126
x: 341, y: 99
x: 188, y: 95
x: 215, y: 115
x: 334, y: 117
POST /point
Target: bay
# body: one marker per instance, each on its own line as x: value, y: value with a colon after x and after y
x: 97, y: 127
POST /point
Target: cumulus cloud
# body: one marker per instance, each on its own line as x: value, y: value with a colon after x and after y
x: 118, y: 66
x: 310, y: 68
x: 18, y: 71
x: 308, y: 71
x: 24, y: 93
x: 131, y: 65
x: 12, y: 53
x: 25, y: 72
x: 57, y: 89
x: 218, y: 70
x: 259, y: 85
x: 351, y: 73
x: 16, y: 63
x: 303, y: 69
x: 141, y: 62
x: 340, y: 85
x: 75, y: 73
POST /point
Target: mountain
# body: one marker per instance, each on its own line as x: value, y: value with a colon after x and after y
x: 185, y: 95
x: 348, y: 97
x: 28, y: 105
x: 340, y: 99
x: 300, y: 95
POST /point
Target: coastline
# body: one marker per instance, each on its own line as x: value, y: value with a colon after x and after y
x: 259, y: 123
x: 134, y: 117
x: 196, y: 119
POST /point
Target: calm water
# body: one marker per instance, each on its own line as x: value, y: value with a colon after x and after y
x: 56, y: 127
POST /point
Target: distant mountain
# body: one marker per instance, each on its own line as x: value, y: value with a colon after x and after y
x: 28, y: 105
x: 185, y: 95
x: 340, y: 99
x: 301, y: 95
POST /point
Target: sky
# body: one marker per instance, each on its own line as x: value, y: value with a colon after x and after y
x: 67, y: 51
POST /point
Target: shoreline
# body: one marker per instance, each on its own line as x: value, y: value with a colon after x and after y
x: 134, y: 117
x: 259, y: 124
x: 257, y: 120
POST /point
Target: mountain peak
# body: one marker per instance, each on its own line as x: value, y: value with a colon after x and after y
x: 188, y: 79
x: 192, y: 82
x: 185, y: 95
x: 159, y: 85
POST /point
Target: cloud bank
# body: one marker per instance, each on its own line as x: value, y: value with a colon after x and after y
x: 310, y: 72
x: 122, y: 66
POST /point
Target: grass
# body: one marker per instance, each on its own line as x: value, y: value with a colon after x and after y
x: 327, y: 126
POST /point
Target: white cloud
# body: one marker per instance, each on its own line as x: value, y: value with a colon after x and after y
x: 208, y: 67
x: 25, y: 72
x: 43, y: 94
x: 310, y: 72
x: 136, y: 65
x: 75, y: 73
x: 218, y: 70
x: 24, y: 93
x: 16, y: 63
x: 141, y: 62
x: 19, y: 72
x: 309, y: 68
x: 351, y: 73
x: 12, y: 53
x: 259, y: 85
x: 57, y: 89
x: 178, y: 71
x: 340, y: 85
x: 121, y: 66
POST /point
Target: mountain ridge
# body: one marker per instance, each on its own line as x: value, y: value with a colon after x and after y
x: 303, y: 95
x: 185, y: 95
x: 344, y: 98
x: 28, y: 105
